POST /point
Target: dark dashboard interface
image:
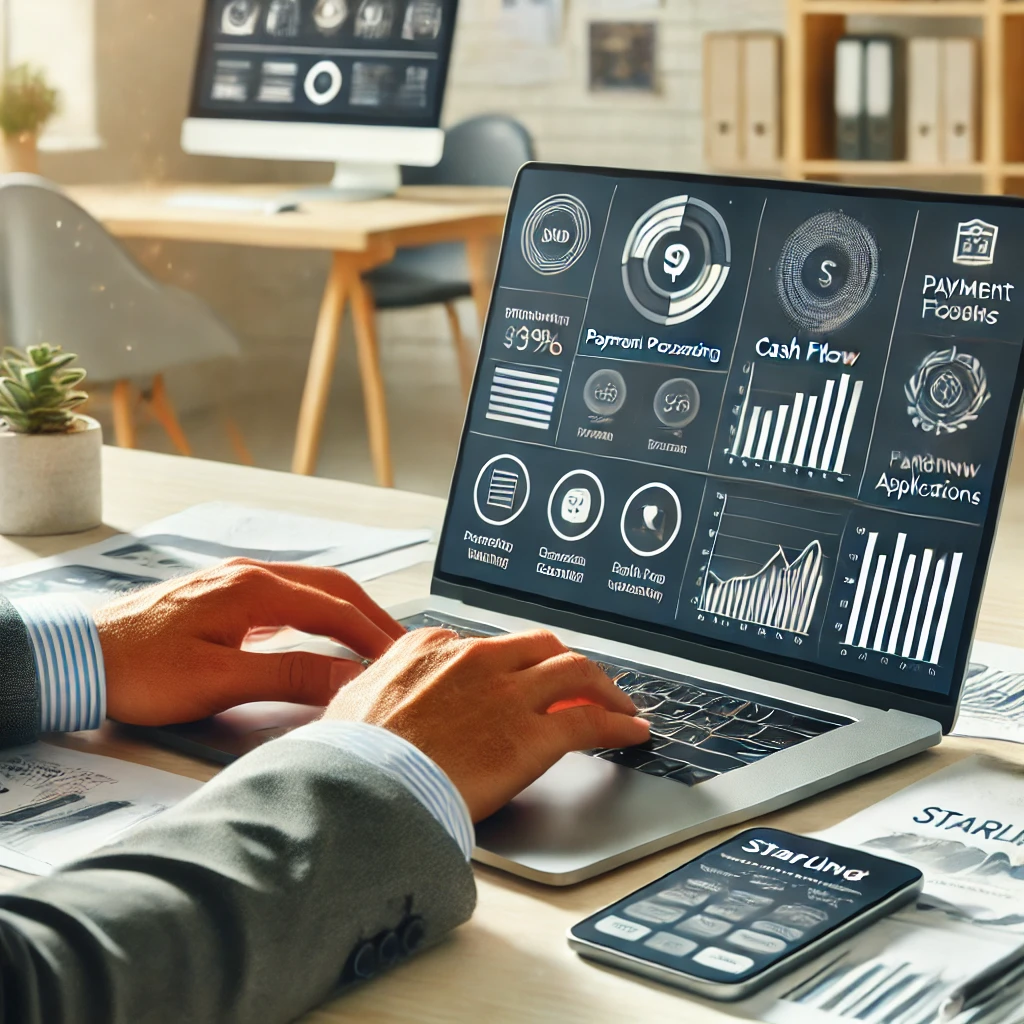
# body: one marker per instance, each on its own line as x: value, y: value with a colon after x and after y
x: 381, y: 62
x: 772, y: 419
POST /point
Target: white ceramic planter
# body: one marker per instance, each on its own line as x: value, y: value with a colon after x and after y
x: 51, y: 483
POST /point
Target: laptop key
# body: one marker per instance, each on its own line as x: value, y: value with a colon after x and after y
x: 726, y: 705
x: 684, y: 733
x: 691, y: 775
x: 745, y: 750
x: 706, y: 720
x: 779, y: 739
x: 646, y: 701
x: 696, y: 755
x: 739, y: 729
x: 630, y: 757
x: 660, y: 766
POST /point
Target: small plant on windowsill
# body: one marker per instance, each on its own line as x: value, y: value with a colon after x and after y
x: 49, y: 453
x: 27, y: 103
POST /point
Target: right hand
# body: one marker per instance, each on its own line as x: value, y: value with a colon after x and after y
x: 494, y: 714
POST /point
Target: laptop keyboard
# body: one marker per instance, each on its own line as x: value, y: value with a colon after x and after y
x: 697, y: 732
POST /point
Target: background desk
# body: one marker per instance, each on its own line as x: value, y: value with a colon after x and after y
x: 511, y: 962
x: 361, y: 236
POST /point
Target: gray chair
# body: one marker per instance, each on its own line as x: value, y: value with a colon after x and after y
x: 64, y: 280
x: 484, y: 150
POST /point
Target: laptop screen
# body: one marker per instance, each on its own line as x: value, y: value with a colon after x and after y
x: 770, y: 418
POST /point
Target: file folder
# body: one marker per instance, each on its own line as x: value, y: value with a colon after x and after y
x: 722, y: 99
x: 960, y: 107
x: 760, y: 72
x: 883, y: 98
x: 924, y: 92
x: 849, y: 98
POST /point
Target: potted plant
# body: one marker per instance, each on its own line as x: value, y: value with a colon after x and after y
x: 27, y: 102
x: 49, y: 454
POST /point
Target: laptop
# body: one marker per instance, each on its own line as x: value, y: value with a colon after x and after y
x: 743, y: 443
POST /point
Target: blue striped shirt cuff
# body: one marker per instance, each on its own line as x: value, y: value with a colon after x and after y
x: 404, y: 762
x: 69, y: 663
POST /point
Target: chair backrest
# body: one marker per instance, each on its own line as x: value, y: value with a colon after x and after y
x: 484, y: 150
x: 64, y: 280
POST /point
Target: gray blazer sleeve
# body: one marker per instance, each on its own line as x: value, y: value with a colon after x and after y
x: 19, y: 690
x: 299, y: 870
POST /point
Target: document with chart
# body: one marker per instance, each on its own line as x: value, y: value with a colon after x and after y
x: 767, y: 419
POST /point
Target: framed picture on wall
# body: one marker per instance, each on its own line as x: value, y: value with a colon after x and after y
x: 622, y: 56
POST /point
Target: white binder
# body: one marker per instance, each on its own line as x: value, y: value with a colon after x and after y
x: 849, y: 98
x: 959, y: 117
x: 924, y: 92
x: 722, y: 99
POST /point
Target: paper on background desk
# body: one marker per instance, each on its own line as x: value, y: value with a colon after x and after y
x: 964, y: 828
x: 57, y: 805
x: 204, y: 535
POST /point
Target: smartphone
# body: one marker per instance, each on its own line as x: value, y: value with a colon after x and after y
x: 746, y: 912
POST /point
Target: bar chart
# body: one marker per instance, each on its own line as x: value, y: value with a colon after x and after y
x: 810, y: 429
x: 767, y: 563
x: 903, y: 598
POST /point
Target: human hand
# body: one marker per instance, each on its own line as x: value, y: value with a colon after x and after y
x: 172, y: 651
x: 495, y: 713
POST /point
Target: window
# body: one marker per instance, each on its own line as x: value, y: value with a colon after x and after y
x: 58, y: 36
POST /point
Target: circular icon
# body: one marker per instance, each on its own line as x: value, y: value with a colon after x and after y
x: 323, y: 82
x: 827, y: 271
x: 605, y: 392
x: 676, y: 260
x: 946, y: 392
x: 555, y: 234
x: 576, y: 505
x: 677, y: 403
x: 651, y: 520
x: 328, y: 15
x: 502, y: 490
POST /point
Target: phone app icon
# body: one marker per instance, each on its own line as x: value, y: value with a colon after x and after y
x: 576, y: 505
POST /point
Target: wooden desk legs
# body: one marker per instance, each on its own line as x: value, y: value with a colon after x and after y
x: 321, y: 368
x: 344, y: 283
x: 364, y: 314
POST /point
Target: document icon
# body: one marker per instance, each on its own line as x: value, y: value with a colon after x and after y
x: 502, y: 490
x: 975, y: 243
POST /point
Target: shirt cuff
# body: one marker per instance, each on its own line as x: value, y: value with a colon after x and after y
x: 69, y: 663
x: 405, y: 763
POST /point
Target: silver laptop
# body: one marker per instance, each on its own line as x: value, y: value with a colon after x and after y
x: 743, y: 443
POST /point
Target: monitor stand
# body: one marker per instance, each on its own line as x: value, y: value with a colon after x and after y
x: 353, y: 183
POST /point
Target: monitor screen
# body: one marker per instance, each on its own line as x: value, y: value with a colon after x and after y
x: 770, y: 418
x: 370, y: 62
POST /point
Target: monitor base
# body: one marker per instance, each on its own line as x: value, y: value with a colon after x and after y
x: 353, y: 183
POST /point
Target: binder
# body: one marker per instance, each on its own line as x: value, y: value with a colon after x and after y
x: 959, y: 121
x: 885, y: 119
x: 849, y: 98
x: 722, y: 99
x: 761, y: 108
x: 925, y: 87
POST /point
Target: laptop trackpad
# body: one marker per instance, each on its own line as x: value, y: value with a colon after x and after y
x: 584, y: 809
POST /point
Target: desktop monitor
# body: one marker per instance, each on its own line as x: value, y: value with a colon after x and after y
x: 355, y: 82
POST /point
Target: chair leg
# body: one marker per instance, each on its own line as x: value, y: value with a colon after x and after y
x: 364, y: 314
x: 462, y: 352
x: 238, y: 445
x: 163, y: 410
x: 123, y: 402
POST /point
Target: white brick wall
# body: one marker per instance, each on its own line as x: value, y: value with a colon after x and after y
x: 569, y: 123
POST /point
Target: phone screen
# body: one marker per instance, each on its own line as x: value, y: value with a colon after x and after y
x: 735, y: 911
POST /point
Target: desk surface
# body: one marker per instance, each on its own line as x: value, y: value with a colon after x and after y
x: 416, y: 215
x: 511, y: 962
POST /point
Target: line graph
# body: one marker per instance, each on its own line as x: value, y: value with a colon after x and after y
x: 767, y: 562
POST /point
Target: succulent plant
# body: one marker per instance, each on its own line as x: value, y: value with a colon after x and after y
x: 38, y: 390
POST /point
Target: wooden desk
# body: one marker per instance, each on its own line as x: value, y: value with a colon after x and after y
x: 360, y: 235
x: 510, y: 963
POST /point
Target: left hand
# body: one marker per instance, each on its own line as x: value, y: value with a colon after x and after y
x: 172, y: 651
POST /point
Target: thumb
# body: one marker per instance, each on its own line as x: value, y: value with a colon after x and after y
x: 294, y: 676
